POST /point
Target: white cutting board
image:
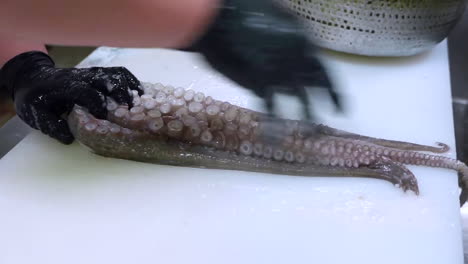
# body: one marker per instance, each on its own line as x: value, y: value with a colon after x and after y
x: 61, y: 204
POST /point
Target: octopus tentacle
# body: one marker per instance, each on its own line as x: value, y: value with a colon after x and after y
x: 396, y: 173
x: 384, y: 142
x: 135, y: 145
x: 175, y: 126
x: 416, y: 158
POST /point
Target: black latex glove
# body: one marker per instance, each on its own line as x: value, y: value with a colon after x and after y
x: 43, y: 93
x: 263, y: 47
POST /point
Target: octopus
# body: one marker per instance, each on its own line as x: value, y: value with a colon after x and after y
x: 182, y: 127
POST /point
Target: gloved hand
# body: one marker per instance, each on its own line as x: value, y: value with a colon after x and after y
x: 263, y: 47
x: 42, y: 93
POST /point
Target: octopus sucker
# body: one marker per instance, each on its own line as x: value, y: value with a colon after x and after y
x: 179, y: 127
x: 443, y: 148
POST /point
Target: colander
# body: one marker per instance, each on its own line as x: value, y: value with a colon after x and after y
x: 378, y: 28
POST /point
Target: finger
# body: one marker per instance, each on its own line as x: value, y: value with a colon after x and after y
x: 118, y: 83
x: 93, y: 100
x: 124, y: 85
x: 325, y: 82
x: 316, y: 75
x: 113, y: 22
x: 24, y: 113
x: 132, y: 81
x: 50, y: 124
x: 122, y: 96
x: 335, y: 99
x: 304, y: 98
x: 58, y: 128
x: 119, y: 91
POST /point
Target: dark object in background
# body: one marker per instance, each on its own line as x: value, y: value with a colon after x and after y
x: 264, y: 48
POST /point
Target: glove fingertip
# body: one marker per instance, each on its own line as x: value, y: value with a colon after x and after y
x: 133, y: 82
x: 123, y: 97
x: 99, y: 113
x: 94, y: 101
x: 139, y: 90
x: 97, y: 110
x: 337, y: 101
x: 60, y: 131
x: 66, y: 139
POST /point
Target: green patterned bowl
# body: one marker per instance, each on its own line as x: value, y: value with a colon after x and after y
x: 378, y: 28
